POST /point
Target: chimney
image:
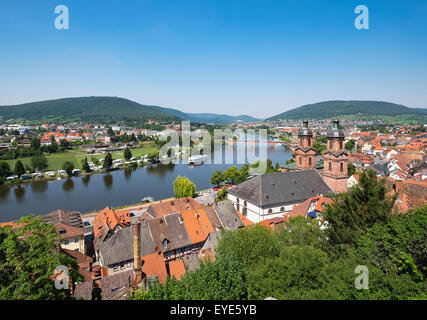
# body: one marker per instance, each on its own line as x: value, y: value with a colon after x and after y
x: 137, y: 247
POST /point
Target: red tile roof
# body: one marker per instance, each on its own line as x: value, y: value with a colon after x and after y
x: 177, y: 269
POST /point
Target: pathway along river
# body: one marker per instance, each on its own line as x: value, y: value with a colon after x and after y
x: 116, y: 188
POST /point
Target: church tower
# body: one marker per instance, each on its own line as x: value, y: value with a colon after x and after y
x: 305, y: 155
x: 335, y: 159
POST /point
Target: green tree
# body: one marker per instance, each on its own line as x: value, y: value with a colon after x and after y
x: 68, y: 166
x: 319, y: 147
x: 4, y: 171
x: 64, y: 144
x: 183, y: 187
x: 349, y: 145
x: 277, y: 166
x: 351, y: 169
x: 53, y: 147
x: 28, y: 258
x: 221, y: 194
x: 222, y: 279
x: 35, y: 143
x: 108, y: 161
x: 19, y: 168
x: 231, y: 173
x: 127, y: 154
x: 405, y: 252
x: 357, y: 210
x: 249, y: 245
x: 217, y: 178
x: 85, y: 165
x: 39, y: 162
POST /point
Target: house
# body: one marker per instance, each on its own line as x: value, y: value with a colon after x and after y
x: 69, y: 225
x: 107, y: 222
x: 271, y: 195
x: 353, y: 180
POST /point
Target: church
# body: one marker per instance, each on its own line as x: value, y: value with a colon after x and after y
x: 272, y: 195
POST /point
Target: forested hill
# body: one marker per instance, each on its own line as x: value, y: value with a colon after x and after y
x: 364, y: 109
x: 102, y: 110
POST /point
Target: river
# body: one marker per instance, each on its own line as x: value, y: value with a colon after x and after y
x: 115, y: 188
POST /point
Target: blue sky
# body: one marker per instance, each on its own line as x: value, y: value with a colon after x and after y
x: 226, y: 56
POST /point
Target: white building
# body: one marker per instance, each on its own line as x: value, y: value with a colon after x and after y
x: 272, y: 195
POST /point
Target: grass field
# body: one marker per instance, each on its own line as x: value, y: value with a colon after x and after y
x: 56, y: 160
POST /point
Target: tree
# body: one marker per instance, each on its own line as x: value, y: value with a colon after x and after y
x: 183, y: 187
x: 4, y: 171
x: 231, y: 173
x: 35, y: 143
x: 222, y: 194
x: 64, y: 144
x: 349, y: 145
x: 110, y: 132
x: 127, y: 154
x: 108, y: 161
x: 249, y: 245
x: 351, y: 169
x: 319, y: 147
x: 19, y: 168
x: 217, y: 178
x: 39, y: 162
x: 85, y: 165
x: 68, y: 166
x: 403, y: 252
x: 53, y: 147
x: 357, y: 210
x: 29, y: 256
x: 277, y: 166
x: 243, y: 174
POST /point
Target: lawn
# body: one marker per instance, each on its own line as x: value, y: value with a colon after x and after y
x: 56, y: 160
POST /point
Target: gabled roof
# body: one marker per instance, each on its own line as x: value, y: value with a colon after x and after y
x: 197, y: 224
x: 119, y: 247
x: 66, y: 231
x: 111, y: 218
x: 228, y: 215
x: 171, y: 228
x: 272, y: 189
x: 69, y: 217
x: 164, y: 208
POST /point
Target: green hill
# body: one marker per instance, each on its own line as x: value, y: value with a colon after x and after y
x: 102, y: 110
x: 351, y: 109
x: 88, y: 109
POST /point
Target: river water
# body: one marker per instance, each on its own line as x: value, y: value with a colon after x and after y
x: 116, y: 188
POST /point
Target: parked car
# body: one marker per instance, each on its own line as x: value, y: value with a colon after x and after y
x: 11, y: 178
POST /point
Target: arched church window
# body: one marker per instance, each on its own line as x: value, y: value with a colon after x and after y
x: 330, y: 166
x: 341, y: 167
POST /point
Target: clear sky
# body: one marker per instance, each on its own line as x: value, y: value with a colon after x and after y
x: 256, y: 57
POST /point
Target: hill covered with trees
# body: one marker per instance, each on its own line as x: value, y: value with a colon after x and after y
x: 104, y: 110
x: 360, y: 109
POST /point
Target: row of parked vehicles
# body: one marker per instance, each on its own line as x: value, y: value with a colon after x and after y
x: 118, y: 163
